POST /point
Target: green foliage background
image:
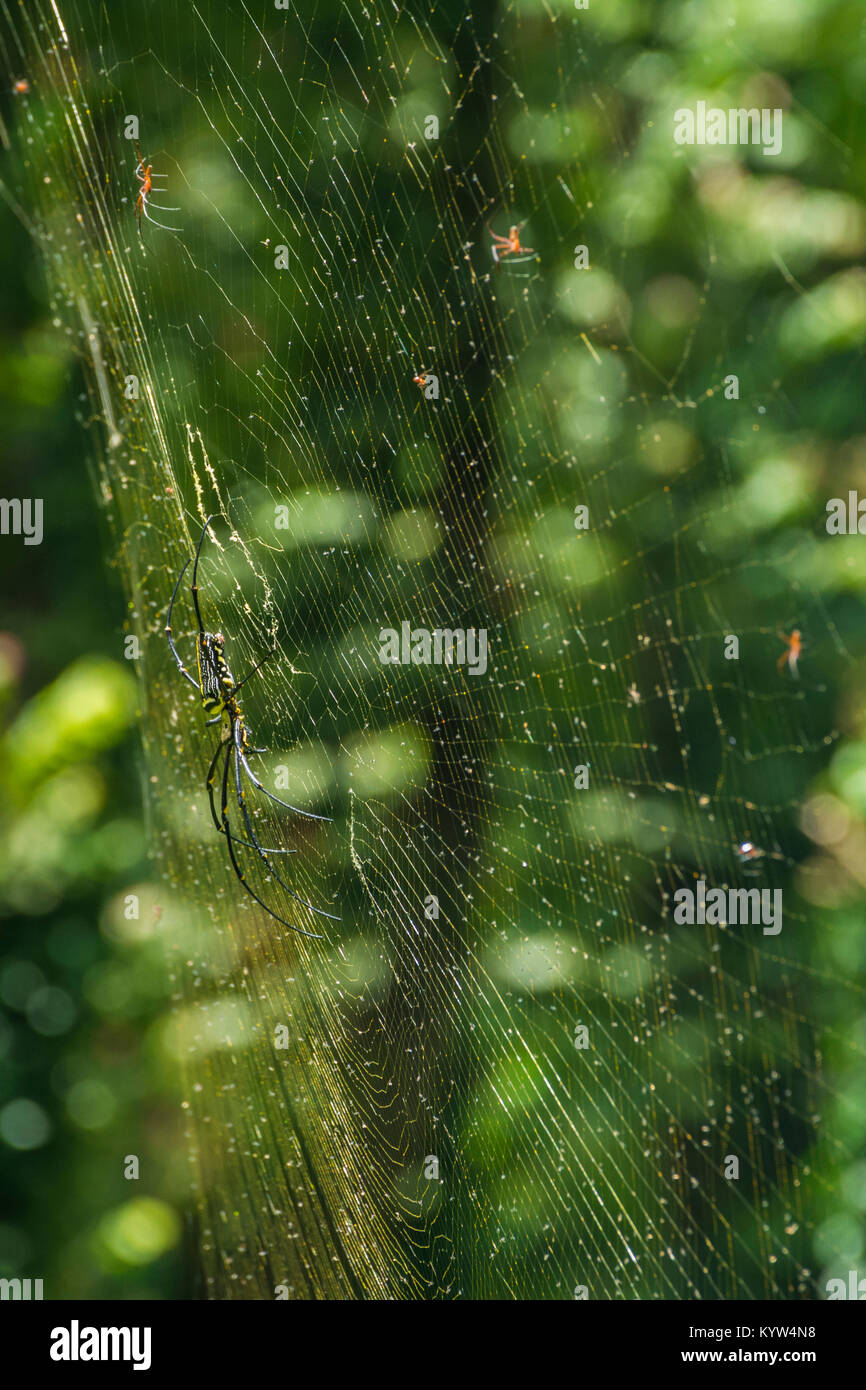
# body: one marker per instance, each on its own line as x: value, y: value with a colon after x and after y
x: 753, y: 268
x: 81, y: 1071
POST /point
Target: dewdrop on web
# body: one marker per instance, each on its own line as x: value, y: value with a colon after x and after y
x: 747, y: 852
x: 749, y: 856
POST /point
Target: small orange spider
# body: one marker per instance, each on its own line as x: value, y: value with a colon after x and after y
x: 145, y: 175
x: 22, y: 87
x: 421, y: 378
x: 794, y: 644
x: 508, y: 245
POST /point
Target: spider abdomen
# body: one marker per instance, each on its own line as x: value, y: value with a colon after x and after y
x: 215, y: 678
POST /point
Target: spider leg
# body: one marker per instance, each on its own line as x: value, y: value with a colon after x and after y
x: 164, y: 225
x: 289, y: 807
x: 525, y: 253
x: 174, y: 651
x: 250, y: 831
x: 211, y: 775
x: 237, y: 866
x: 257, y: 667
x: 314, y: 935
x: 195, y: 574
x: 211, y: 778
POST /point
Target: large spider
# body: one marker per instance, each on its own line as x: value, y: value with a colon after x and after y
x: 218, y: 692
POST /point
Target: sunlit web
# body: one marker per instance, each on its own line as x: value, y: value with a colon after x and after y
x: 432, y: 1123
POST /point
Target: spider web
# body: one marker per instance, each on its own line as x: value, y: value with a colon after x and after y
x: 430, y: 1127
